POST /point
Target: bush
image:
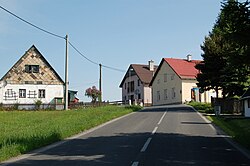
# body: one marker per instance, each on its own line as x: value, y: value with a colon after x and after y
x: 202, y: 107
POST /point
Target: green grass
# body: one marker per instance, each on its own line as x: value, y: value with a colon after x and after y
x: 238, y: 128
x: 23, y: 131
x: 202, y: 107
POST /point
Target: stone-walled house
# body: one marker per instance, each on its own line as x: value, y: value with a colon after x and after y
x: 135, y: 83
x: 32, y: 78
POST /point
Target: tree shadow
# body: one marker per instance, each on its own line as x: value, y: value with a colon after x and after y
x: 122, y: 149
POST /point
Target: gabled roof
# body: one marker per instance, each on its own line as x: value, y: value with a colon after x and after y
x: 246, y: 95
x: 32, y: 48
x: 183, y: 68
x: 142, y: 71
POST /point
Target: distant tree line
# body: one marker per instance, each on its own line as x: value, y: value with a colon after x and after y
x: 226, y: 51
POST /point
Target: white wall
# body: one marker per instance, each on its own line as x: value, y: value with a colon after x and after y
x: 247, y: 110
x: 51, y: 91
x: 160, y: 84
x: 144, y: 91
x: 147, y: 95
x: 187, y: 85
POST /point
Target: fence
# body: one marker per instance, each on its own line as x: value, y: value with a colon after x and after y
x: 19, y: 106
x: 228, y: 105
x: 91, y: 104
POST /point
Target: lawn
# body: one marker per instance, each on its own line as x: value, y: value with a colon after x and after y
x: 23, y: 131
x: 237, y: 127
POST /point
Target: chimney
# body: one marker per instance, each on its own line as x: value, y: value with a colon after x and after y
x: 189, y: 58
x: 151, y: 65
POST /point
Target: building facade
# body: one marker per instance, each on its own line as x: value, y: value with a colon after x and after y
x: 175, y: 82
x: 135, y: 83
x: 32, y: 78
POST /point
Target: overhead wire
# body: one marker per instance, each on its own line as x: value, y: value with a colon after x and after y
x: 61, y: 37
x: 27, y: 22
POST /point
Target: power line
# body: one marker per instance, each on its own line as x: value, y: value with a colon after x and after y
x: 112, y: 68
x: 95, y: 63
x: 61, y: 37
x: 27, y: 22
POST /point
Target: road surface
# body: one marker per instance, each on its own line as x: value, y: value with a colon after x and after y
x: 156, y: 136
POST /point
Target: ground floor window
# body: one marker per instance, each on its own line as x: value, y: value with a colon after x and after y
x: 248, y: 101
x: 41, y: 93
x: 22, y: 93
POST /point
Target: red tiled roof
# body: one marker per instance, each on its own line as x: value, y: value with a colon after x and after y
x: 184, y: 68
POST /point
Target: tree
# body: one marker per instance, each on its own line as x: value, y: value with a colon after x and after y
x: 93, y: 93
x: 225, y: 55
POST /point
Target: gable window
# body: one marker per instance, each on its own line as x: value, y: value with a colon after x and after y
x: 138, y: 82
x: 158, y: 96
x: 165, y: 94
x: 22, y: 93
x: 41, y: 93
x: 173, y: 93
x: 131, y: 86
x: 165, y: 77
x: 172, y: 77
x: 32, y: 68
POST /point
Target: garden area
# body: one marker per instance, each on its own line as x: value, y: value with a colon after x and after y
x: 23, y: 131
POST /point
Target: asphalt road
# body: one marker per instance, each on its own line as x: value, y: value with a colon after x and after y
x: 159, y: 136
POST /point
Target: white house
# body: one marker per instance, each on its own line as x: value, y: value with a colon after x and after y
x: 32, y: 78
x: 246, y: 102
x: 175, y: 82
x: 135, y: 83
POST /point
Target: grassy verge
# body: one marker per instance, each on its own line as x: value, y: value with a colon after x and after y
x: 23, y: 131
x: 238, y: 128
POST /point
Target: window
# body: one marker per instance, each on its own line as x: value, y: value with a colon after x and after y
x: 125, y: 86
x: 32, y: 68
x: 172, y: 77
x: 22, y: 93
x: 32, y: 94
x: 158, y: 81
x: 10, y: 95
x: 248, y: 101
x: 165, y: 77
x: 158, y: 96
x: 138, y: 82
x: 131, y: 86
x: 165, y: 94
x: 173, y: 93
x: 41, y: 93
x: 139, y: 96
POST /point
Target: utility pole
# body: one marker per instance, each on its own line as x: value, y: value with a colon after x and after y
x: 66, y: 95
x: 100, y: 83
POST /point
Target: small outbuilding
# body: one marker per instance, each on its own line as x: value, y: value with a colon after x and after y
x: 246, y: 102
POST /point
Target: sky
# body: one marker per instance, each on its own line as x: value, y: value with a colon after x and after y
x: 115, y: 33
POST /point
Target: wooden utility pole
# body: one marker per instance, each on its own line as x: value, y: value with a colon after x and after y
x: 100, y: 83
x: 66, y: 95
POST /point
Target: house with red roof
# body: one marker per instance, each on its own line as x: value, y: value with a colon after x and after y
x: 135, y: 83
x: 175, y: 82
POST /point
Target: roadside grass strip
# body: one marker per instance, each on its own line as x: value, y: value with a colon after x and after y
x: 237, y: 128
x: 23, y: 131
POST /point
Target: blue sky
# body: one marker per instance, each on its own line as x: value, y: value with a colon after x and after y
x: 115, y: 33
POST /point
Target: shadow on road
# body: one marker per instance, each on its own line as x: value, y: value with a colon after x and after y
x: 124, y: 148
